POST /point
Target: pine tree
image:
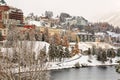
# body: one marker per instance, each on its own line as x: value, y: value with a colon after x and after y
x: 51, y: 52
x: 93, y: 50
x: 60, y: 53
x: 103, y: 56
x: 67, y: 52
x: 99, y: 52
x: 89, y: 51
x: 118, y: 52
x: 1, y: 37
x: 48, y: 14
x: 111, y: 53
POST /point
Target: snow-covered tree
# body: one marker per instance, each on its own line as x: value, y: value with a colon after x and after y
x: 60, y: 53
x: 101, y: 55
x: 118, y: 52
x: 21, y: 57
x: 89, y: 53
x: 51, y: 52
x: 48, y: 14
x: 1, y: 37
x: 111, y: 53
x: 93, y: 50
x: 63, y: 16
x: 67, y: 53
x: 46, y: 35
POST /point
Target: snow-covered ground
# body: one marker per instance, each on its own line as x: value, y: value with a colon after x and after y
x: 85, y: 45
x: 113, y: 34
x: 70, y: 63
x: 33, y: 22
x: 82, y: 60
x: 78, y: 58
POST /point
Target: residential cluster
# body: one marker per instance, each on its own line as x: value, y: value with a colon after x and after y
x: 75, y: 28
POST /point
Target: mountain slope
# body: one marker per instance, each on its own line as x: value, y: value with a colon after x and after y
x: 111, y: 18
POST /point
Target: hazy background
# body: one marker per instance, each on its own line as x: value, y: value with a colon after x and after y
x: 90, y: 9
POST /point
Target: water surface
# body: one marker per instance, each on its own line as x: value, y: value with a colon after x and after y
x: 88, y: 73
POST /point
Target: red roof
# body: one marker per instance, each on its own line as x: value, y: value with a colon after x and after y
x: 4, y: 8
x: 29, y: 26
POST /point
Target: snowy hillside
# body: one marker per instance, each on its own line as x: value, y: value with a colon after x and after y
x: 112, y: 18
x: 85, y: 45
x: 113, y: 34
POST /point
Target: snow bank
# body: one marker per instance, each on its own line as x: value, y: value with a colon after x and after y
x: 85, y: 45
x: 37, y: 23
x: 82, y: 60
x: 113, y: 34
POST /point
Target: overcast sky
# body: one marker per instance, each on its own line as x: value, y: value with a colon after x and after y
x: 90, y: 9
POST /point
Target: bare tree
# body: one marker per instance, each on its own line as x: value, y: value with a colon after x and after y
x: 19, y: 61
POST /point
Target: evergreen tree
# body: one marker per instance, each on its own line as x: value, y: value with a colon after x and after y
x: 89, y: 51
x: 118, y: 52
x: 93, y: 50
x: 60, y: 53
x: 48, y: 14
x: 103, y: 56
x: 111, y: 53
x: 67, y: 53
x: 51, y: 52
x: 99, y: 52
x: 1, y: 38
x: 2, y: 2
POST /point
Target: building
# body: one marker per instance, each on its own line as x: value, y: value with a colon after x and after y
x: 52, y: 31
x: 100, y: 36
x: 3, y: 31
x: 10, y: 15
x: 85, y: 37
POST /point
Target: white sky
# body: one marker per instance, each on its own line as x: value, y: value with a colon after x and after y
x: 90, y: 9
